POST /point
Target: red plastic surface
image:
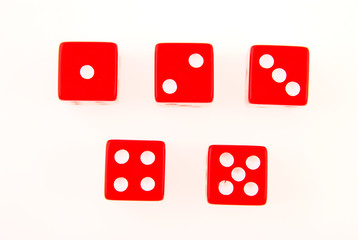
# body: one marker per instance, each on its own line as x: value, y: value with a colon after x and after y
x: 102, y: 57
x: 262, y: 87
x: 218, y: 173
x: 194, y: 85
x: 134, y: 170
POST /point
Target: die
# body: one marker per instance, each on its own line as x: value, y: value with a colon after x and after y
x: 87, y: 71
x: 278, y: 75
x: 135, y: 170
x: 184, y: 73
x: 237, y: 175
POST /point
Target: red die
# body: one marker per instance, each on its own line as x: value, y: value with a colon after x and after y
x: 278, y: 75
x: 237, y: 175
x: 134, y: 170
x: 184, y: 72
x: 88, y: 71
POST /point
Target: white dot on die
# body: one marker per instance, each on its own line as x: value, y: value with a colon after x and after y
x: 120, y: 184
x: 121, y: 156
x: 226, y: 159
x: 279, y: 75
x: 147, y: 157
x: 238, y: 174
x: 226, y: 187
x: 293, y: 89
x: 147, y: 184
x: 253, y: 162
x: 196, y: 60
x: 169, y: 86
x: 266, y: 61
x: 87, y: 72
x: 251, y: 189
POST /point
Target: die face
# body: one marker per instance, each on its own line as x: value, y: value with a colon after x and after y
x: 234, y: 182
x: 289, y: 65
x: 192, y: 84
x: 134, y: 170
x: 75, y: 58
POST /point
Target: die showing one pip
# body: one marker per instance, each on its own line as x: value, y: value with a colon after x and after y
x: 87, y: 71
x: 135, y: 170
x: 184, y: 72
x: 278, y: 75
x: 237, y: 175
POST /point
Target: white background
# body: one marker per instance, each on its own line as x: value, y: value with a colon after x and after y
x: 52, y: 152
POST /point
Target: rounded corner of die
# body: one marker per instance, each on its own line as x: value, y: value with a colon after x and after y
x: 306, y: 49
x: 265, y: 152
x: 112, y: 98
x: 61, y: 98
x: 254, y: 47
x: 161, y: 197
x: 210, y: 200
x: 109, y: 143
x: 61, y: 95
x: 61, y: 49
x: 264, y: 201
x: 112, y: 140
x: 107, y: 196
x: 211, y: 92
x: 113, y: 44
x: 210, y: 46
x: 264, y: 149
x: 211, y: 147
x: 303, y: 103
x: 62, y: 44
x: 157, y: 98
x: 157, y: 46
x: 251, y: 99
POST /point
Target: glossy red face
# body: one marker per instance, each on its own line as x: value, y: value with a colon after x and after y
x: 237, y: 175
x: 135, y: 170
x: 278, y: 75
x: 184, y: 73
x: 88, y: 71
